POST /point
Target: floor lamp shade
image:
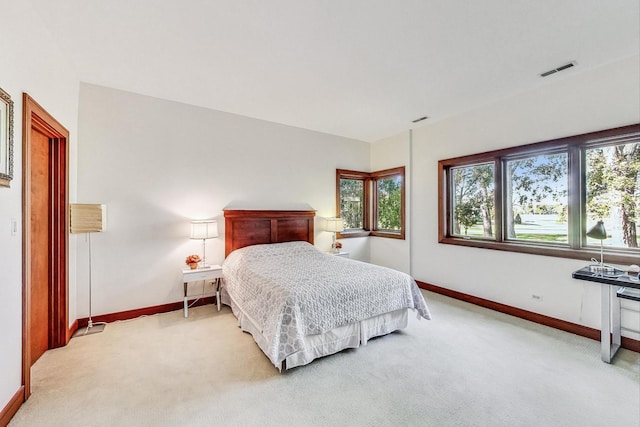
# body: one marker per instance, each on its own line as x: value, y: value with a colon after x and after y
x: 87, y: 218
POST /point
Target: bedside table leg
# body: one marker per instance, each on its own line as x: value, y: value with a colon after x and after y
x: 218, y: 293
x: 186, y: 302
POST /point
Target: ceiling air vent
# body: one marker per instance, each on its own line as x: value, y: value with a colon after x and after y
x: 420, y: 119
x: 555, y: 70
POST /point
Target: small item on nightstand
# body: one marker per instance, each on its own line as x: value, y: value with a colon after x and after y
x: 192, y: 261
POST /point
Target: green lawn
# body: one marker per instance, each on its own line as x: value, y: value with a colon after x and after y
x: 546, y: 228
x: 559, y: 238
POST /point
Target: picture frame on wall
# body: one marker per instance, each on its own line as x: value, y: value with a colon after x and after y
x: 6, y: 139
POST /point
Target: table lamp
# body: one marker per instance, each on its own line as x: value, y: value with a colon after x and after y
x: 204, y: 229
x: 335, y: 225
x: 600, y: 233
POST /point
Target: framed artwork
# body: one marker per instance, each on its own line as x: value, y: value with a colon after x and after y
x: 6, y: 138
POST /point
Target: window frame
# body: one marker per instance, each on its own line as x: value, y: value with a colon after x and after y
x: 361, y: 176
x: 574, y: 146
x: 375, y: 177
x: 451, y: 194
x: 370, y: 203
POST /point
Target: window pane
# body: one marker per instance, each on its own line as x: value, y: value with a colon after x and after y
x: 536, y: 198
x: 352, y: 203
x: 473, y: 200
x: 613, y: 193
x: 389, y: 203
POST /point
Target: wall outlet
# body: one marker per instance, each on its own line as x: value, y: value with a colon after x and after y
x: 536, y: 297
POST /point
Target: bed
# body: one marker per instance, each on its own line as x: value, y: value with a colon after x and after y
x: 299, y: 303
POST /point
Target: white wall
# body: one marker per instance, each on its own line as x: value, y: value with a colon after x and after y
x: 390, y: 153
x: 601, y: 98
x: 157, y: 164
x: 30, y: 63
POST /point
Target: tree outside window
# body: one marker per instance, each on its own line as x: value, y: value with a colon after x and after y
x: 613, y: 192
x: 473, y: 200
x: 389, y: 191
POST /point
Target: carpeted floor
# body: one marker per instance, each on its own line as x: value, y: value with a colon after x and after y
x: 467, y: 367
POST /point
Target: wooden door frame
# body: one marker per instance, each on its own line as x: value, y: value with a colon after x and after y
x: 35, y: 117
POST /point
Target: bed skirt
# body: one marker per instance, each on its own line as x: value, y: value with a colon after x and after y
x: 315, y: 346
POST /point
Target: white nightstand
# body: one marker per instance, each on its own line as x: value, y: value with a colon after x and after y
x: 341, y: 254
x: 212, y: 272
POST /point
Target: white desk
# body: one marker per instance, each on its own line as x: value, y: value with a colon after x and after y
x: 212, y: 272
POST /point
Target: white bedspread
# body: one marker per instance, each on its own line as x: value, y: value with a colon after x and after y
x: 290, y: 290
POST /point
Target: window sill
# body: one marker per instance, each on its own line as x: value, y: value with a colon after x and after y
x: 350, y: 234
x: 612, y: 257
x: 365, y: 233
x: 389, y: 235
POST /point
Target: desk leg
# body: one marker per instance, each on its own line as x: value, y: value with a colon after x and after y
x: 616, y: 328
x: 605, y: 324
x: 186, y: 302
x: 610, y: 323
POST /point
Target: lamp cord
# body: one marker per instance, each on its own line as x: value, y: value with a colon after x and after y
x: 90, y: 324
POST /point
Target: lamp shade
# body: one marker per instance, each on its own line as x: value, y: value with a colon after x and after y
x: 87, y: 218
x: 334, y: 224
x: 205, y: 229
x: 597, y: 231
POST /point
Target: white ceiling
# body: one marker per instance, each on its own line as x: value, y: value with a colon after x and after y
x: 362, y: 69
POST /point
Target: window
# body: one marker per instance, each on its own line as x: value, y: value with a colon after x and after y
x: 472, y: 200
x: 371, y: 203
x: 542, y: 198
x: 536, y: 198
x: 353, y: 196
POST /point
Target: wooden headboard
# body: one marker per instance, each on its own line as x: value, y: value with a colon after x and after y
x: 254, y: 227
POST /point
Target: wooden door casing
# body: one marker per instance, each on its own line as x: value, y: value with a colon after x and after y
x: 38, y: 126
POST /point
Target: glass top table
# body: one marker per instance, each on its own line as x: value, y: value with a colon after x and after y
x: 614, y: 286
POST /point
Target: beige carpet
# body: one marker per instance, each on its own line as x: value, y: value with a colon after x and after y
x: 467, y: 367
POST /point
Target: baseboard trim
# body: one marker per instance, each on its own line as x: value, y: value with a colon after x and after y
x: 563, y: 325
x: 72, y: 329
x: 145, y: 311
x: 12, y: 407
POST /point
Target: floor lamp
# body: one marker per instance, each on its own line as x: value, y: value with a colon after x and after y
x: 87, y: 219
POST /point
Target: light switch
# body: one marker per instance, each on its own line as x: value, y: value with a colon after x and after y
x: 14, y: 227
